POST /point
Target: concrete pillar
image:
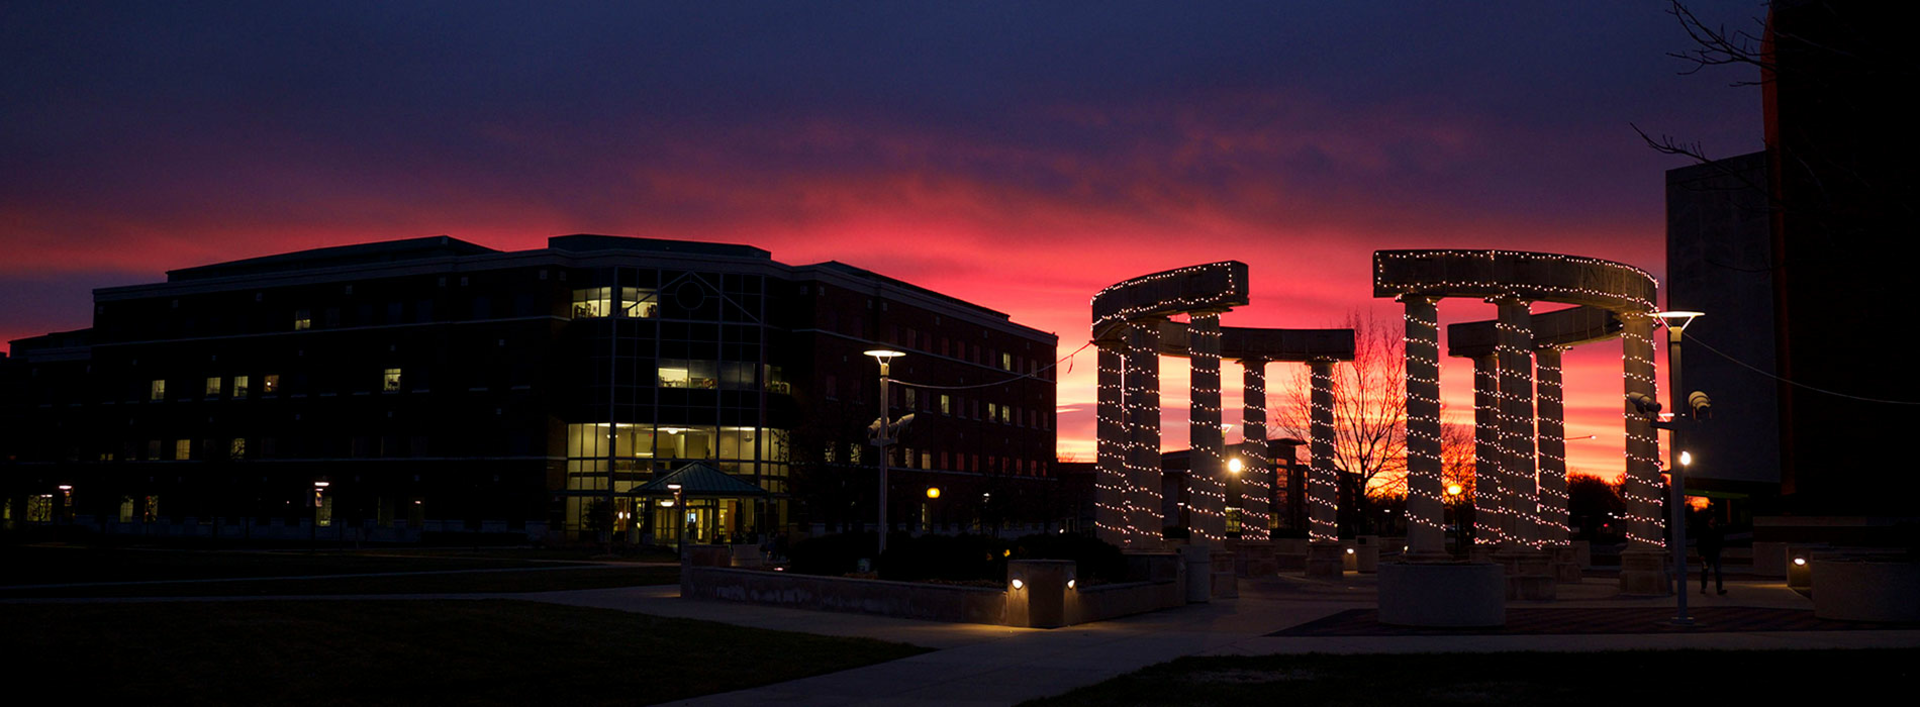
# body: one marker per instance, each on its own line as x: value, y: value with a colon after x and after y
x: 1643, y: 570
x: 1206, y: 463
x: 1642, y: 487
x: 1515, y: 350
x: 1256, y: 478
x: 1426, y: 509
x: 1322, y: 491
x: 1110, y: 485
x: 1143, y: 424
x: 1489, y: 505
x: 1553, y: 447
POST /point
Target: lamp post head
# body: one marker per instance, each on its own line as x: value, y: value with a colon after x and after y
x: 1686, y: 458
x: 884, y: 356
x: 1454, y: 489
x: 317, y: 485
x: 1678, y: 319
x: 1235, y: 465
x: 933, y: 492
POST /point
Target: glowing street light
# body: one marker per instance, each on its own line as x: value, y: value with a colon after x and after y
x: 1677, y: 321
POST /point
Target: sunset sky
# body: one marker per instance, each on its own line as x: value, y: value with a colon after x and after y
x: 1020, y: 156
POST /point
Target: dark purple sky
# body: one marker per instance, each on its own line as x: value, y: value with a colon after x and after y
x: 1019, y: 155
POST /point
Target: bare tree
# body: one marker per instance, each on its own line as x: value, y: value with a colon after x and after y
x: 1369, y: 411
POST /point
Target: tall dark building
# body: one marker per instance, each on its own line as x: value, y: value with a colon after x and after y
x: 1836, y: 179
x: 436, y: 385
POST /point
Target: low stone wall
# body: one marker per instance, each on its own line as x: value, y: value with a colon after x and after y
x: 1110, y: 601
x: 907, y: 600
x: 1049, y: 594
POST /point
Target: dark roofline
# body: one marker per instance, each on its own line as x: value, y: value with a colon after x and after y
x: 356, y: 254
x: 589, y: 242
x: 865, y: 274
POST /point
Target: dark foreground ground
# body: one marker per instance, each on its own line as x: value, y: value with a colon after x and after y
x: 1685, y: 677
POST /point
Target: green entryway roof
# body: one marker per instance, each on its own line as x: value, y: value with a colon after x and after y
x: 699, y: 479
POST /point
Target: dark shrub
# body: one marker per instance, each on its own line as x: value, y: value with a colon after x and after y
x: 835, y: 554
x: 1093, y: 558
x: 958, y: 558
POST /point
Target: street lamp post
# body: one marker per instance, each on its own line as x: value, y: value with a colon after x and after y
x: 1677, y: 322
x: 884, y: 437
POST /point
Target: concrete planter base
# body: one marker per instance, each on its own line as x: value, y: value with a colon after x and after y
x: 1452, y: 594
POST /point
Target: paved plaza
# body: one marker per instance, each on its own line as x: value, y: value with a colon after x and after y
x: 995, y: 665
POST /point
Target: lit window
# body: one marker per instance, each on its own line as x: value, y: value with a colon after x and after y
x: 827, y: 456
x: 926, y: 460
x: 1006, y: 415
x: 946, y: 404
x: 157, y: 390
x: 239, y: 386
x: 993, y: 411
x: 213, y: 387
x: 639, y: 302
x: 270, y: 384
x: 1006, y: 361
x: 910, y: 398
x: 302, y: 319
x: 182, y: 449
x: 237, y: 449
x: 674, y: 377
x: 592, y: 302
x: 390, y: 382
x: 853, y: 454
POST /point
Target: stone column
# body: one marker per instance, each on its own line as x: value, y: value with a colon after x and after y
x: 1256, y: 474
x: 1643, y: 564
x: 1489, y: 502
x: 1426, y: 510
x: 1516, y: 407
x: 1553, y: 447
x: 1207, y: 460
x: 1143, y: 423
x: 1110, y: 487
x: 1322, y: 491
x: 1642, y: 487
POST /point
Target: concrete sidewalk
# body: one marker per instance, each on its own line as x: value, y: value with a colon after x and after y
x: 992, y: 665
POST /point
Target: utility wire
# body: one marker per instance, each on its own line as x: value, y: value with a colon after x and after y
x: 1794, y: 383
x: 1035, y: 374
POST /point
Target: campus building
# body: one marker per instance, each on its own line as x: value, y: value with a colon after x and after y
x: 435, y: 385
x: 1798, y: 256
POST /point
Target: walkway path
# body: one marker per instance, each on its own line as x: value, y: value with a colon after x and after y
x: 988, y: 665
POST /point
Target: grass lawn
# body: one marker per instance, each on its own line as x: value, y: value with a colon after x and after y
x: 32, y: 567
x: 402, y: 652
x: 1521, y: 679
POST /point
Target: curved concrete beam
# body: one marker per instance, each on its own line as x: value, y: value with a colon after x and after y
x: 1560, y: 329
x: 1212, y: 287
x: 1277, y: 345
x: 1534, y: 277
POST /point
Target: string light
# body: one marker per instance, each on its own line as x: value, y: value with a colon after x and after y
x: 1489, y: 489
x: 1553, y: 445
x: 1639, y: 488
x: 1254, y: 514
x: 1205, y: 460
x: 1421, y: 347
x: 1322, y: 493
x: 1111, y: 487
x: 1109, y: 313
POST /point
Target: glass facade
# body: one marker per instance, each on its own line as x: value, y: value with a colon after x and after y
x: 674, y: 372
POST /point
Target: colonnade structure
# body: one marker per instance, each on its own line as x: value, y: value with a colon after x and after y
x: 1132, y: 328
x: 1520, y: 446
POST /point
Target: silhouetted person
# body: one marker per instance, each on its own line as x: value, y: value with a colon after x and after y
x: 1712, y: 540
